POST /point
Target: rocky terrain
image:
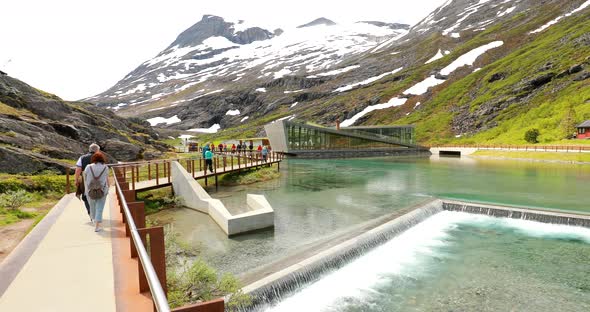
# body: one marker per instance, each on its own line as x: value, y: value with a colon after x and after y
x: 471, y: 71
x: 39, y: 131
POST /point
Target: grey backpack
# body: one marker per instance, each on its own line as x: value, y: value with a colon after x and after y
x: 95, y: 188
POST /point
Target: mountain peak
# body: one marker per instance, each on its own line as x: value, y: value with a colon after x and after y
x: 318, y: 21
x: 215, y: 26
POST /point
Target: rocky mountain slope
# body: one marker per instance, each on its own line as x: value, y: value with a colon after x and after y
x: 472, y: 71
x: 39, y: 131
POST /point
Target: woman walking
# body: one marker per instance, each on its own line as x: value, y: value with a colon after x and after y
x: 97, y: 187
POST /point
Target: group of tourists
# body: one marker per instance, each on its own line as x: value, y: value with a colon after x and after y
x: 92, y: 183
x: 239, y: 148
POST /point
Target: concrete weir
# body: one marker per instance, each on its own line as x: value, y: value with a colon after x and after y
x: 259, y: 216
x: 542, y: 216
x: 272, y: 288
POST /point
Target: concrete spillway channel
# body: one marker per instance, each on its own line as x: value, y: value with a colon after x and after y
x: 260, y: 214
x: 276, y: 286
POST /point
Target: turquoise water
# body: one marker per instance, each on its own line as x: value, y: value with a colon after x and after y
x: 460, y: 262
x: 315, y: 200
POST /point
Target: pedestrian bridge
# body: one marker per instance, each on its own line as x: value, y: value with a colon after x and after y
x: 63, y: 265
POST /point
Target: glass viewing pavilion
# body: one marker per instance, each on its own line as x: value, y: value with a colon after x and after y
x: 302, y: 139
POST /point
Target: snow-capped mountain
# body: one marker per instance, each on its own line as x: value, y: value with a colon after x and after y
x: 466, y: 68
x: 213, y: 54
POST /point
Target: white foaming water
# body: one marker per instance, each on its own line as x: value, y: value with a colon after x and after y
x: 405, y: 255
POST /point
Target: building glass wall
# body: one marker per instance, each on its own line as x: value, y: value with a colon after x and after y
x: 302, y: 137
x: 402, y: 134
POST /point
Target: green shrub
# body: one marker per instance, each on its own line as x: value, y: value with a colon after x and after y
x: 249, y: 177
x: 43, y: 183
x: 13, y: 200
x: 532, y: 136
x: 195, y: 282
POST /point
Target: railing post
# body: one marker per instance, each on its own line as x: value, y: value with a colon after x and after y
x: 157, y: 254
x: 132, y: 178
x: 232, y: 162
x: 193, y: 167
x: 149, y: 171
x: 137, y: 210
x: 157, y: 175
x: 67, y: 180
x: 168, y: 164
x: 215, y: 172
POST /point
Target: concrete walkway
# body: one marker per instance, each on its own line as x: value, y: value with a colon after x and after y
x: 71, y: 268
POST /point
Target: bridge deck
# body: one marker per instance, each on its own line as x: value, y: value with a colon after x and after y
x: 163, y: 181
x: 63, y: 265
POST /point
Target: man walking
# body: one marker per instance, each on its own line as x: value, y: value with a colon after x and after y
x: 81, y: 165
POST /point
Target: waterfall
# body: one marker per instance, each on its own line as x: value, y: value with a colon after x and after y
x: 516, y: 213
x: 312, y: 269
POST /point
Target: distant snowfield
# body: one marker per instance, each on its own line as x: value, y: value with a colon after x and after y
x: 212, y: 129
x: 233, y: 112
x: 159, y: 120
x: 391, y: 103
x: 559, y: 18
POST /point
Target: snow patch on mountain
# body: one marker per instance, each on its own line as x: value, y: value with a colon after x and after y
x: 423, y: 86
x: 212, y: 129
x: 391, y: 103
x: 159, y: 120
x: 470, y: 57
x: 233, y: 112
x: 437, y: 56
x: 366, y: 81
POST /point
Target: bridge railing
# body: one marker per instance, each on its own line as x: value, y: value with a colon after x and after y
x: 537, y: 148
x: 152, y: 265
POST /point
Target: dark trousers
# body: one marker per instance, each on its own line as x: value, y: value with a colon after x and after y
x: 86, y: 204
x: 209, y: 164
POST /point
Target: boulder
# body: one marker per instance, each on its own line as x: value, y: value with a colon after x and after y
x: 122, y: 150
x: 496, y: 77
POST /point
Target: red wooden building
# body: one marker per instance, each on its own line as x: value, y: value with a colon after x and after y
x: 584, y: 130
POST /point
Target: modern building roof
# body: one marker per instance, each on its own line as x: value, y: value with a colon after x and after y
x: 585, y: 124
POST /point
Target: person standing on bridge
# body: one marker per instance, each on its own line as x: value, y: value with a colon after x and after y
x: 264, y: 153
x: 81, y: 165
x: 97, y: 187
x: 209, y: 160
x: 205, y: 149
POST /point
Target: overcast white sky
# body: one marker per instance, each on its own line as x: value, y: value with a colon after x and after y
x: 76, y: 49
